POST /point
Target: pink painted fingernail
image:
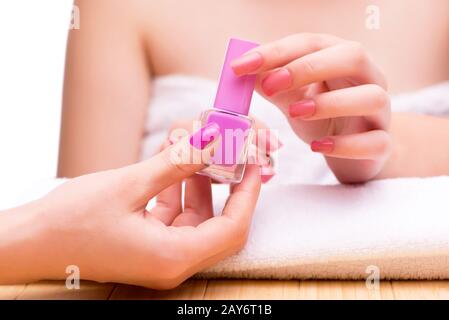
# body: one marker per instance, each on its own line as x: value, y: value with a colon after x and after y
x: 277, y: 81
x: 325, y: 145
x: 266, y: 173
x: 247, y: 63
x: 303, y: 109
x: 205, y: 136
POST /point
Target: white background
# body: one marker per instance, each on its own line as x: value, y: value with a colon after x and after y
x: 33, y: 37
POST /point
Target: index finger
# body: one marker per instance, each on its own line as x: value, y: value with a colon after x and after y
x: 278, y: 53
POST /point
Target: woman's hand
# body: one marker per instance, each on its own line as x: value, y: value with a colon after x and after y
x: 264, y: 143
x: 333, y: 95
x: 99, y: 223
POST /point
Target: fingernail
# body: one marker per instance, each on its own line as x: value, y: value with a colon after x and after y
x: 247, y: 63
x: 302, y: 109
x: 325, y: 145
x: 205, y: 136
x: 277, y: 81
x: 266, y: 179
x: 266, y: 173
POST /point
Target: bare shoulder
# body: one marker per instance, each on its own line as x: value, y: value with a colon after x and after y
x: 154, y: 14
x: 147, y: 16
x: 131, y: 12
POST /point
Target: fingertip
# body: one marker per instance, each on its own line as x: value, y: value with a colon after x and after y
x: 267, y: 173
x: 193, y: 152
x: 267, y: 178
x: 167, y: 143
x: 277, y: 81
x: 206, y: 136
x: 368, y: 145
x: 247, y: 64
x: 302, y: 109
x: 237, y: 69
x: 325, y: 145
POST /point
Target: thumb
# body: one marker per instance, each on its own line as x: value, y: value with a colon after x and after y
x: 177, y: 162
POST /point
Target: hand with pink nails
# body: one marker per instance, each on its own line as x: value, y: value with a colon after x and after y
x: 333, y: 95
x: 265, y: 142
x: 100, y: 224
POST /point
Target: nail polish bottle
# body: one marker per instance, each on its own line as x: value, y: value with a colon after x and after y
x: 230, y: 113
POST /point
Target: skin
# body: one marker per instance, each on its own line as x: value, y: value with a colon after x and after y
x: 348, y: 115
x: 352, y: 133
x: 97, y: 224
x: 153, y: 39
x: 110, y: 64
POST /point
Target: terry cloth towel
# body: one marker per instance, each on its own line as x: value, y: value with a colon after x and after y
x: 397, y: 227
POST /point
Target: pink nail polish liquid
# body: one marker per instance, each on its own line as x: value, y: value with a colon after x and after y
x: 230, y: 112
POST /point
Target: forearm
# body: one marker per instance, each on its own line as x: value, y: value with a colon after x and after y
x: 22, y: 245
x: 420, y: 147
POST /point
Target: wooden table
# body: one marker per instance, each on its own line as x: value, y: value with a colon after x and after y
x: 235, y: 289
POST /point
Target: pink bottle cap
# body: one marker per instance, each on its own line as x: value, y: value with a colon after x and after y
x: 234, y: 93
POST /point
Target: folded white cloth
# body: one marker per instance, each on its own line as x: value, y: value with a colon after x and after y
x: 400, y: 226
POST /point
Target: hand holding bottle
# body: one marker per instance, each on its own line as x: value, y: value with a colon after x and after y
x: 333, y: 95
x: 99, y: 223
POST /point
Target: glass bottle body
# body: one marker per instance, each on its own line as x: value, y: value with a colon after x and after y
x: 229, y: 160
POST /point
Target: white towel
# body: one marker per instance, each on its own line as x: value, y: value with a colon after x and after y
x: 302, y: 230
x: 399, y: 227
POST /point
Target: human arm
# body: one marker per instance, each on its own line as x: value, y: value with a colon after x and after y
x: 98, y: 223
x: 106, y: 89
